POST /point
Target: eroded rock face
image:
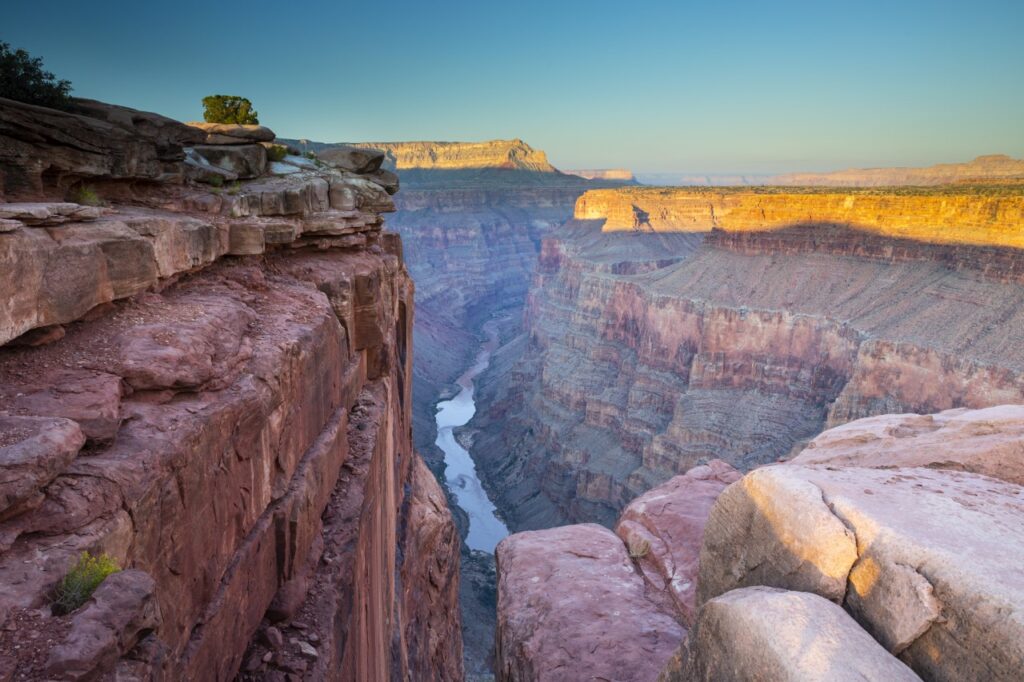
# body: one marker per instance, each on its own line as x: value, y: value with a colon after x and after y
x: 33, y: 451
x: 761, y: 633
x: 572, y: 606
x: 990, y: 168
x: 917, y: 556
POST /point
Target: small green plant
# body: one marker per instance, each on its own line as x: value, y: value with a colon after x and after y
x: 216, y: 180
x: 639, y: 548
x: 81, y: 581
x: 23, y: 78
x: 235, y: 188
x: 85, y: 195
x: 229, y: 109
x: 310, y: 155
x: 277, y: 152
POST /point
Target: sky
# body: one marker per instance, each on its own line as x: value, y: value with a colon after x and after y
x: 716, y: 86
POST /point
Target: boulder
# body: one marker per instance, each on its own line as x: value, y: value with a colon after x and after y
x: 928, y: 561
x: 571, y: 606
x: 33, y: 451
x: 988, y: 441
x: 385, y: 178
x: 762, y: 633
x: 168, y: 135
x: 352, y: 159
x: 122, y: 609
x: 664, y: 529
x: 233, y: 133
x: 354, y: 192
x: 245, y: 160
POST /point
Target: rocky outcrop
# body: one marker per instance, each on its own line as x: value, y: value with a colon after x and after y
x: 225, y: 410
x: 571, y: 606
x: 664, y: 529
x: 760, y: 633
x: 983, y: 169
x: 917, y: 556
x: 648, y: 353
x: 920, y: 555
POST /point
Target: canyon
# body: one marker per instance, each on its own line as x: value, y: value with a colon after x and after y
x: 669, y: 327
x: 211, y: 386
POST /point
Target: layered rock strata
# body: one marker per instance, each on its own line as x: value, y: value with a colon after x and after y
x: 213, y: 387
x: 646, y: 352
x: 990, y: 168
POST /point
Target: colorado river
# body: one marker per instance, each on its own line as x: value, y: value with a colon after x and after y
x: 485, y: 529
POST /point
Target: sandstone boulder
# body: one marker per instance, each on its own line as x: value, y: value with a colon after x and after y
x: 571, y: 606
x: 988, y: 441
x: 33, y: 451
x: 386, y: 179
x: 233, y: 133
x: 928, y: 561
x: 244, y: 160
x: 762, y: 633
x: 664, y: 529
x: 353, y: 159
x: 122, y: 609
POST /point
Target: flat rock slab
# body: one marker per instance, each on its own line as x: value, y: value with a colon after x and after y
x: 988, y: 441
x: 238, y: 131
x: 762, y: 633
x: 664, y: 528
x: 92, y: 399
x: 571, y: 606
x: 33, y: 451
x: 48, y: 213
x: 354, y: 159
x: 927, y: 560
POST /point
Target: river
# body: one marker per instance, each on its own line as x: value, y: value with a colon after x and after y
x: 485, y: 528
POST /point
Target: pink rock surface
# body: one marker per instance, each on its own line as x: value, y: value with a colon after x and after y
x: 33, y: 451
x: 666, y: 525
x: 571, y: 606
x: 989, y: 441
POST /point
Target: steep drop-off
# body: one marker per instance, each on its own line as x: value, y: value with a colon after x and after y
x: 735, y: 325
x: 213, y: 388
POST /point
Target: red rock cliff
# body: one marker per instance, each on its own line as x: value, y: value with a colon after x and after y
x: 212, y: 386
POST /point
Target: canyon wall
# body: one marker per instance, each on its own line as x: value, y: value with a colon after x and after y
x: 210, y: 384
x: 736, y: 325
x: 983, y: 169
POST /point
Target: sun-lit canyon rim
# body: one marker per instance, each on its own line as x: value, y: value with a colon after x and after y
x: 512, y: 342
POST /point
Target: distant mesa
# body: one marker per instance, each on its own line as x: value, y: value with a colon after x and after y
x: 615, y: 174
x: 507, y: 154
x: 993, y: 168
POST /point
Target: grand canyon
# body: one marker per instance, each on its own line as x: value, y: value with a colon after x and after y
x: 306, y: 395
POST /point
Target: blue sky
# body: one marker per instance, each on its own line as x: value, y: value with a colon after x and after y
x: 709, y: 86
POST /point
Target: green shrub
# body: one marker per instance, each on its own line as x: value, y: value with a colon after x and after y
x: 81, y: 581
x: 215, y: 180
x: 228, y: 109
x: 310, y: 155
x: 22, y: 78
x: 276, y: 152
x: 235, y: 188
x: 85, y: 195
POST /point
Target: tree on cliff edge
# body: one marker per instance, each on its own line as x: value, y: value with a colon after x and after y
x: 22, y: 78
x: 228, y: 109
